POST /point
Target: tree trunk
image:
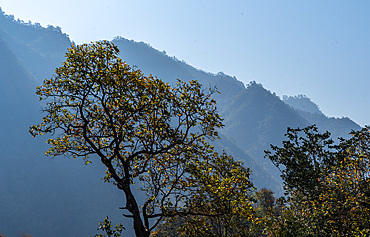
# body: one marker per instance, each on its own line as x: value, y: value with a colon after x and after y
x: 133, y: 208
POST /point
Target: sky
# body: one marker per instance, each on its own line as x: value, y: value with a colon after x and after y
x: 317, y: 48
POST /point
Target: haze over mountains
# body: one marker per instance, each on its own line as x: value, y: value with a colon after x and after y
x: 63, y: 197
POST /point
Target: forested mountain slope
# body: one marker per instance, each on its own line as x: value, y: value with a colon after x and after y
x: 63, y: 197
x: 39, y: 49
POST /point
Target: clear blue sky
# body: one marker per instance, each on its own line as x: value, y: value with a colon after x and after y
x: 317, y: 48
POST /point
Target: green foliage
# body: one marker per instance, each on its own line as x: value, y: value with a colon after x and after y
x: 268, y: 209
x: 225, y: 195
x: 169, y: 227
x: 302, y: 157
x: 144, y: 131
x: 267, y: 203
x: 225, y: 198
x: 108, y: 229
x: 327, y: 185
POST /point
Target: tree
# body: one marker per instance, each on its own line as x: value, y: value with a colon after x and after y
x: 142, y: 129
x: 268, y: 209
x: 327, y: 186
x: 306, y: 153
x: 266, y: 202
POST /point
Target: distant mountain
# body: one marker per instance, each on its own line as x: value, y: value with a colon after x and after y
x: 152, y: 61
x: 302, y: 102
x: 256, y: 118
x: 338, y: 127
x: 39, y: 49
x: 65, y: 198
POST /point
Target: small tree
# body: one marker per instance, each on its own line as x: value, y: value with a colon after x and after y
x: 110, y: 231
x: 266, y: 202
x: 142, y: 129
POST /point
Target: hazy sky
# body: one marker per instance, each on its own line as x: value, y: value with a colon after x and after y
x: 317, y: 48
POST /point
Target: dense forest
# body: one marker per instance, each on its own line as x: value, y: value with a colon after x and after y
x: 323, y: 184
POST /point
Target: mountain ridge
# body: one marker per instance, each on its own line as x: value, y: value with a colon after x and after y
x: 338, y: 127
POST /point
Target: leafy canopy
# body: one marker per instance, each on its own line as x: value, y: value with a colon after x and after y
x: 327, y: 185
x: 144, y: 131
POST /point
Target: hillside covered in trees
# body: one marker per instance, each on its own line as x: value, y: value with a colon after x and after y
x: 63, y: 197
